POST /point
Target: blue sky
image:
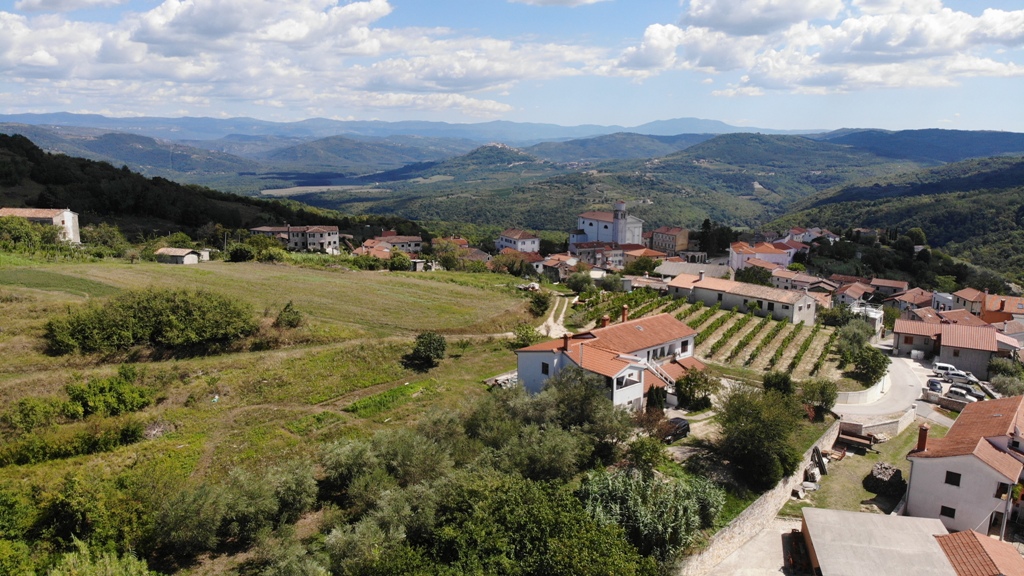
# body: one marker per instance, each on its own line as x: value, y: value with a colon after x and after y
x: 782, y: 64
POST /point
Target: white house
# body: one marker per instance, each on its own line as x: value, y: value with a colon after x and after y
x: 964, y: 479
x: 740, y: 252
x: 518, y: 240
x: 616, y: 227
x: 64, y: 219
x: 181, y: 255
x: 793, y: 305
x: 632, y: 357
x: 312, y: 238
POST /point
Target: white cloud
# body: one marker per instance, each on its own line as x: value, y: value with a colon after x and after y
x: 62, y: 5
x: 572, y: 3
x: 753, y: 17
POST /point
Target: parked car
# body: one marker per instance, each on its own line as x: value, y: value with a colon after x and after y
x: 960, y: 394
x: 935, y: 385
x: 961, y: 377
x: 969, y: 390
x: 676, y: 428
x: 941, y: 368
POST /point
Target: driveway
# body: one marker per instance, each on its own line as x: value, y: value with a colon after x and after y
x: 762, y: 555
x: 906, y: 379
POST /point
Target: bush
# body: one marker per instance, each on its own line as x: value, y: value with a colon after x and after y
x: 524, y: 335
x: 694, y: 389
x: 1005, y: 367
x: 173, y: 319
x: 288, y: 317
x: 110, y: 396
x: 821, y: 393
x: 82, y: 562
x: 579, y: 282
x: 779, y: 381
x: 540, y: 302
x: 757, y: 435
x: 429, y: 350
x: 1008, y: 385
x: 241, y: 253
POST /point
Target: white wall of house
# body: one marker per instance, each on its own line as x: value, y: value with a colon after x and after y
x: 629, y: 396
x: 974, y: 500
x: 524, y: 245
x: 803, y: 310
x: 68, y: 222
x: 905, y: 343
x: 533, y: 365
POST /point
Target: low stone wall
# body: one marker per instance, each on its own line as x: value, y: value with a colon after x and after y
x: 755, y: 518
x: 890, y: 427
x: 865, y: 396
x: 947, y: 403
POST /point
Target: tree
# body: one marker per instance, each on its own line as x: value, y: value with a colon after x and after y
x: 643, y: 265
x: 694, y: 389
x: 870, y: 364
x: 917, y: 236
x: 779, y: 381
x: 579, y: 282
x: 821, y: 393
x: 852, y: 338
x: 83, y: 562
x: 889, y: 316
x: 645, y: 454
x: 797, y: 267
x: 524, y: 335
x: 428, y: 350
x: 399, y: 262
x: 540, y: 302
x: 754, y: 275
x: 757, y: 435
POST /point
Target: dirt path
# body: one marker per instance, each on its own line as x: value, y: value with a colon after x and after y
x: 554, y: 324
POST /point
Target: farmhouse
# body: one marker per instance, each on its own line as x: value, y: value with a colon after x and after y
x: 312, y: 238
x: 913, y: 298
x: 793, y: 305
x: 407, y: 244
x: 850, y: 294
x: 519, y: 240
x: 969, y: 299
x: 632, y: 357
x: 616, y: 227
x: 672, y: 267
x: 966, y: 347
x: 670, y: 239
x: 888, y: 287
x: 964, y: 479
x: 740, y: 252
x: 64, y: 219
x: 790, y: 280
x: 181, y: 255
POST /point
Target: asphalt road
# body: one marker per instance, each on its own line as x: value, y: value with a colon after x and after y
x: 906, y: 379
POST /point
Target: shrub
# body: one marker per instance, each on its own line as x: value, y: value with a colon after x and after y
x: 428, y: 350
x: 174, y: 319
x: 778, y: 381
x: 821, y: 393
x: 83, y: 562
x: 1005, y: 367
x: 757, y: 435
x: 1008, y: 385
x: 540, y: 302
x: 288, y: 317
x: 694, y: 389
x: 524, y: 335
x: 110, y: 396
x: 241, y: 253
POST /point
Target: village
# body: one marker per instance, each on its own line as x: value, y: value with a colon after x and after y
x: 669, y: 312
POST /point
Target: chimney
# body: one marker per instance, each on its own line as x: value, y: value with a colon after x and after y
x: 605, y: 320
x: 625, y: 312
x: 1002, y: 304
x: 922, y: 438
x: 565, y: 341
x: 700, y: 277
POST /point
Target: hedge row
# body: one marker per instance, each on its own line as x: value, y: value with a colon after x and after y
x: 34, y: 448
x: 824, y: 352
x: 690, y: 311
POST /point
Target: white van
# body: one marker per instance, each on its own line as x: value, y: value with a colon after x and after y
x: 941, y: 369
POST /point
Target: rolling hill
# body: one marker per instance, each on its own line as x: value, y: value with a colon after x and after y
x: 973, y: 209
x: 932, y: 146
x: 618, y: 146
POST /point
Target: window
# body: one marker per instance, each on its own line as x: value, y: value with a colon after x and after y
x: 544, y: 368
x: 1002, y: 489
x: 1015, y: 444
x: 785, y: 306
x: 956, y: 353
x: 908, y: 339
x: 947, y: 512
x: 684, y: 346
x: 719, y: 296
x: 771, y: 306
x: 952, y: 478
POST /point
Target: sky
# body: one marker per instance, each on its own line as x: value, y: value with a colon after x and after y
x: 777, y: 64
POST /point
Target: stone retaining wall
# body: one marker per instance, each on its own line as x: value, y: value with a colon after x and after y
x: 755, y: 518
x: 865, y: 396
x: 890, y: 428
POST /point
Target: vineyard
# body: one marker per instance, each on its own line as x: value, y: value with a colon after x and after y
x: 729, y: 338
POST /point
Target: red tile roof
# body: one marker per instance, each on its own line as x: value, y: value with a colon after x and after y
x: 763, y: 264
x: 970, y: 295
x: 974, y: 554
x: 916, y: 328
x: 602, y: 216
x: 516, y: 234
x: 31, y: 212
x: 646, y: 252
x: 961, y: 317
x: 762, y: 248
x: 670, y: 230
x: 855, y: 290
x: 626, y: 337
x: 979, y: 421
x: 915, y: 296
x: 175, y: 251
x: 886, y: 283
x: 970, y: 337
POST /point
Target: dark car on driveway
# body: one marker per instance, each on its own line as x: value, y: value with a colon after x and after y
x: 935, y: 385
x: 676, y: 428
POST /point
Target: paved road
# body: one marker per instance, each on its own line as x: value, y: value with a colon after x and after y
x: 906, y: 378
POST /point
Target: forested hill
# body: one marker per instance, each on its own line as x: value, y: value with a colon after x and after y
x: 99, y: 192
x: 974, y: 209
x: 933, y: 145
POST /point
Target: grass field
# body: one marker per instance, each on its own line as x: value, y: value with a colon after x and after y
x: 252, y: 408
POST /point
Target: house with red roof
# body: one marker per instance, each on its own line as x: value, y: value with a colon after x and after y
x: 968, y: 347
x: 631, y: 357
x: 850, y: 294
x: 311, y: 238
x: 974, y: 554
x: 64, y: 219
x: 793, y: 305
x: 519, y: 240
x: 965, y: 478
x: 670, y: 239
x: 970, y: 299
x: 910, y: 299
x: 887, y: 287
x: 617, y: 227
x: 740, y: 252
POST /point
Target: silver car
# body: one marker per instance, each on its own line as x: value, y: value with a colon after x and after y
x: 961, y: 377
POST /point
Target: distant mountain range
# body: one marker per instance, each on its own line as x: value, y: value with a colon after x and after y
x: 512, y: 133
